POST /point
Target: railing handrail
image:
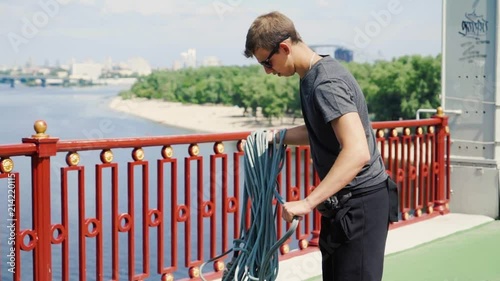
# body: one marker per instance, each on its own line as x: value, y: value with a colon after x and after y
x: 80, y: 145
x: 23, y: 149
x: 406, y: 123
x: 9, y: 150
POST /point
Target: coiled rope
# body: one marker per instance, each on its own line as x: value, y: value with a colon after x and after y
x: 256, y: 250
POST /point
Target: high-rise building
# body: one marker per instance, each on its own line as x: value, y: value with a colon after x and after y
x: 338, y: 52
x: 189, y: 58
x: 344, y: 54
x: 87, y: 71
x: 177, y: 65
x: 211, y: 61
x: 139, y: 65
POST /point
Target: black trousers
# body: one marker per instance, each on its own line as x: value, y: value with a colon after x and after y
x: 352, y: 241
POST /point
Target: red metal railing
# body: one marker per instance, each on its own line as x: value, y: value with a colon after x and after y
x: 181, y: 212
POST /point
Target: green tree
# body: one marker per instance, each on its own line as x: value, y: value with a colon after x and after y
x: 393, y: 89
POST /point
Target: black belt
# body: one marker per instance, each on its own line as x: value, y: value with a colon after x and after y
x: 338, y: 200
x: 335, y: 202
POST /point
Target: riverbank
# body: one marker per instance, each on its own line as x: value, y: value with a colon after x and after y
x: 198, y: 118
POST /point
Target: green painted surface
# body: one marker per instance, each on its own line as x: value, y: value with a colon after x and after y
x: 471, y: 255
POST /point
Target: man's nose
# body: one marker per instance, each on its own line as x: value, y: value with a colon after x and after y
x: 268, y: 70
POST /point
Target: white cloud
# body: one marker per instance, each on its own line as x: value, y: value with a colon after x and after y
x: 88, y: 2
x: 322, y: 3
x: 12, y: 21
x: 157, y: 7
x: 84, y: 2
x: 174, y: 26
x: 153, y: 7
x: 146, y: 7
x: 81, y: 33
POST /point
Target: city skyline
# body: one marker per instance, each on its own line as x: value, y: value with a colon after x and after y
x: 185, y: 60
x: 159, y: 31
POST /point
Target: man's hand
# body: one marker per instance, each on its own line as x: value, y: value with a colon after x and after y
x: 296, y: 208
x: 270, y: 135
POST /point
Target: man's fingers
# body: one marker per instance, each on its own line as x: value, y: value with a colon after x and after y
x: 288, y: 217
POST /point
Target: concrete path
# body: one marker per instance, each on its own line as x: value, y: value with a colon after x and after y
x: 399, y: 239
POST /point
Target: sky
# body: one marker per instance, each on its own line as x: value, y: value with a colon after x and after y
x: 159, y: 30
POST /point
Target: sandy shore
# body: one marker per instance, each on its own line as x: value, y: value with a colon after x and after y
x: 198, y: 118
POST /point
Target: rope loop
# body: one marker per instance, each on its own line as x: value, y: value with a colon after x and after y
x: 256, y: 250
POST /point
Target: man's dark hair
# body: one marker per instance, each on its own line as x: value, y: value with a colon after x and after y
x: 269, y: 30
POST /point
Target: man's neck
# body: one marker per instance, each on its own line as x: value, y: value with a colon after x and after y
x: 305, y: 58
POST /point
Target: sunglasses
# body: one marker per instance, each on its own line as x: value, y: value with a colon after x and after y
x: 267, y: 62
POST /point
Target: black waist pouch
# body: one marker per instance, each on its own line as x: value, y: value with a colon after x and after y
x: 392, y: 188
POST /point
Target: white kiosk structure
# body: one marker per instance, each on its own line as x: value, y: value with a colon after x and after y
x: 470, y: 71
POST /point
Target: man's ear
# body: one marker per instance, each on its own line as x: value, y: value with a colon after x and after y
x: 286, y: 48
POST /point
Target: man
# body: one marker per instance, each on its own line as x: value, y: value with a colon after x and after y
x: 353, y: 195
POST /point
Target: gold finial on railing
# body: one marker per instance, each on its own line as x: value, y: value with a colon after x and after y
x: 72, y: 158
x: 106, y: 156
x: 394, y: 132
x: 167, y: 277
x: 194, y: 272
x: 303, y: 244
x: 6, y: 165
x: 167, y: 151
x: 380, y: 133
x: 439, y: 111
x: 218, y: 148
x: 138, y: 154
x: 40, y: 127
x: 285, y: 249
x: 240, y: 145
x: 406, y: 216
x: 418, y: 213
x: 219, y: 266
x: 194, y: 149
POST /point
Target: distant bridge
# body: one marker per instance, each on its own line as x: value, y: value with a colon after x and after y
x: 327, y: 46
x: 44, y: 79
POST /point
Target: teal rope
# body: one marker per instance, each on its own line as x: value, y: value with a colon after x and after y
x: 256, y: 255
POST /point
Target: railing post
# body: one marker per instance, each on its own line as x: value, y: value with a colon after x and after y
x: 440, y: 203
x: 40, y: 188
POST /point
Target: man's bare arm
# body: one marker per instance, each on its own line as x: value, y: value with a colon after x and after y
x: 296, y: 136
x: 353, y: 156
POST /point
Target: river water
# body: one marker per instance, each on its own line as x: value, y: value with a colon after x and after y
x: 81, y: 113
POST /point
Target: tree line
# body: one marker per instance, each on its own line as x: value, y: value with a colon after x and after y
x: 393, y: 89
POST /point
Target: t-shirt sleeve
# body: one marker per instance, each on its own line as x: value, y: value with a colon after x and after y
x: 333, y: 98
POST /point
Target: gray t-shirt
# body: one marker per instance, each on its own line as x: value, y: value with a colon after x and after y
x: 328, y: 91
